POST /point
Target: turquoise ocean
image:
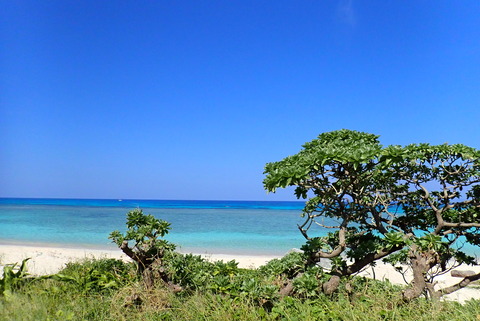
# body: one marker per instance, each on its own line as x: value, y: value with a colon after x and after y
x: 228, y: 227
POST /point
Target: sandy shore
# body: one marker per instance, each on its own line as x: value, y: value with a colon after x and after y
x: 49, y: 260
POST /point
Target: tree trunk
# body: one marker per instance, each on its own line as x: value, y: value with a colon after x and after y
x: 150, y: 268
x: 418, y: 286
x: 331, y: 285
x: 148, y: 278
x: 287, y: 289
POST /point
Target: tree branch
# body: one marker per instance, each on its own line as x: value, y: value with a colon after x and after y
x: 460, y: 224
x: 369, y: 258
x: 338, y: 249
x: 466, y: 281
x: 140, y: 259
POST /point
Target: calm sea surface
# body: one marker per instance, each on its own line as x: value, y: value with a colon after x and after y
x: 236, y: 227
x: 228, y: 227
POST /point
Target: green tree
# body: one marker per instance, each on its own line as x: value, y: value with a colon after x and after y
x: 379, y: 207
x: 441, y: 211
x: 339, y: 172
x: 144, y: 244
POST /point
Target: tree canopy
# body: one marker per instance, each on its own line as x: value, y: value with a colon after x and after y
x: 404, y: 204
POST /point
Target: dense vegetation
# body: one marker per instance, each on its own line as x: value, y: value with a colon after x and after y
x: 109, y: 289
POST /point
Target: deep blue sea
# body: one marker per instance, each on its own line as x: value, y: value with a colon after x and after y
x: 233, y: 227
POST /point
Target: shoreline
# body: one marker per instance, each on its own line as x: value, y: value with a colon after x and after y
x: 111, y: 247
x: 46, y: 260
x: 49, y: 259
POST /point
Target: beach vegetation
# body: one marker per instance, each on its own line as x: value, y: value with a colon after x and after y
x: 357, y: 298
x: 288, y: 266
x: 13, y: 277
x: 96, y: 275
x: 143, y: 242
x: 415, y: 205
x: 440, y: 205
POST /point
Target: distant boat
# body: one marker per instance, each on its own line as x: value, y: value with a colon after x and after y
x: 119, y: 200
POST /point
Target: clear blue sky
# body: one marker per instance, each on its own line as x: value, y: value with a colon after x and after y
x: 190, y: 99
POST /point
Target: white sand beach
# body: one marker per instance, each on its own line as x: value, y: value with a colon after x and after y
x: 48, y: 260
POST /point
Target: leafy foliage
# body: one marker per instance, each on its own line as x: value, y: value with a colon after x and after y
x: 145, y: 232
x: 289, y: 266
x: 13, y: 277
x: 348, y: 192
x: 307, y: 285
x: 245, y: 299
x: 148, y: 249
x: 419, y: 200
x: 196, y: 273
x: 96, y: 275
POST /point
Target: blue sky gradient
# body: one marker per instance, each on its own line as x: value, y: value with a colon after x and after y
x: 190, y: 99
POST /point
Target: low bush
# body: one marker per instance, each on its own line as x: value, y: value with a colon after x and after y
x: 97, y: 275
x: 13, y: 277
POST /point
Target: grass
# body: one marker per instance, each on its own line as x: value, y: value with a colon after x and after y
x: 109, y: 290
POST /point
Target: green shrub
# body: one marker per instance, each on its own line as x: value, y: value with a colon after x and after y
x: 97, y: 275
x: 13, y: 278
x: 290, y: 265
